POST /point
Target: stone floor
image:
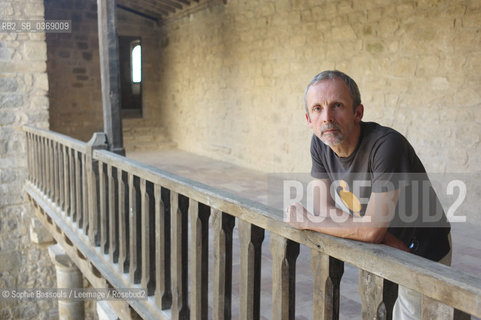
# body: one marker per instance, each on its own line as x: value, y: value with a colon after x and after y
x: 254, y: 185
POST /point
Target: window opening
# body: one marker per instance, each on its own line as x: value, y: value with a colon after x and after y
x: 136, y: 59
x: 130, y: 58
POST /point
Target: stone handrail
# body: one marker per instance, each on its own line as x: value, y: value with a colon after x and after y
x: 126, y: 225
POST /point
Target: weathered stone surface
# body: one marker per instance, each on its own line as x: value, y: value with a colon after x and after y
x: 11, y: 101
x: 6, y: 53
x: 423, y: 54
x: 22, y: 263
x: 413, y: 62
x: 7, y: 118
x: 34, y: 50
x: 38, y: 233
x: 41, y: 81
x: 9, y: 261
x: 8, y: 84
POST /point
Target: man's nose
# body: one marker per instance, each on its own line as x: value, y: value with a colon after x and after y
x: 327, y: 115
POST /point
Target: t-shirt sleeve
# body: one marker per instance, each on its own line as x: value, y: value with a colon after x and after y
x: 390, y: 162
x: 318, y: 169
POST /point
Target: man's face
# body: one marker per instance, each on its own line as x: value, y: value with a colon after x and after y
x: 331, y: 114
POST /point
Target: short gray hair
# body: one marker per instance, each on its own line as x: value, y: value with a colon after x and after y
x: 333, y: 74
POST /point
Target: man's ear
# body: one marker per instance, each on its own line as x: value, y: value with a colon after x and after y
x: 309, y: 122
x: 358, y: 113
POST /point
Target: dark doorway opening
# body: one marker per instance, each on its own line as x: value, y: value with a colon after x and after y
x: 130, y: 56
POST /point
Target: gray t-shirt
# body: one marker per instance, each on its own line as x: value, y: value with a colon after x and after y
x: 384, y: 161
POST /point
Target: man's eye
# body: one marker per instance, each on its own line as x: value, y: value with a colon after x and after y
x: 317, y: 109
x: 338, y: 105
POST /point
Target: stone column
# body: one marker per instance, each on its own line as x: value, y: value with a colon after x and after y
x: 70, y: 277
x: 105, y: 311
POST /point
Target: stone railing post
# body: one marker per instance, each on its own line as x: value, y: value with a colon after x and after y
x: 68, y: 277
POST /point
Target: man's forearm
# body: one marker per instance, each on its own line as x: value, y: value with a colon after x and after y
x: 335, y: 222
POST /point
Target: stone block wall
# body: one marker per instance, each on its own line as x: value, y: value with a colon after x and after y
x: 227, y: 82
x: 23, y: 101
x: 233, y: 77
x: 74, y: 69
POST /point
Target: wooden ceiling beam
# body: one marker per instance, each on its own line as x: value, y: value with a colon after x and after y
x: 141, y: 7
x: 157, y: 9
x: 159, y: 5
x: 171, y: 3
x: 186, y: 2
x: 139, y: 13
x: 154, y: 6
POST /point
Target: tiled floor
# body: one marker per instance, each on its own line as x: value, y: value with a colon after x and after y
x: 255, y: 185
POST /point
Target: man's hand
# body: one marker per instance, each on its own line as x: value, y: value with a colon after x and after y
x: 296, y: 216
x: 392, y: 241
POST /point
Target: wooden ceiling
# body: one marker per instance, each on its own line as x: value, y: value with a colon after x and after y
x: 161, y: 10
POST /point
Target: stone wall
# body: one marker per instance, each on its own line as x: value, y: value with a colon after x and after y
x: 74, y: 69
x: 23, y: 101
x: 227, y: 82
x: 233, y: 77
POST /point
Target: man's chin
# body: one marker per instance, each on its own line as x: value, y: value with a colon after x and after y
x: 331, y: 142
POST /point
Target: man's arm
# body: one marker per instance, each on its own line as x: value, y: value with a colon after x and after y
x: 326, y: 218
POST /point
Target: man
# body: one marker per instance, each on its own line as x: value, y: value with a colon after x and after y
x: 369, y: 183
